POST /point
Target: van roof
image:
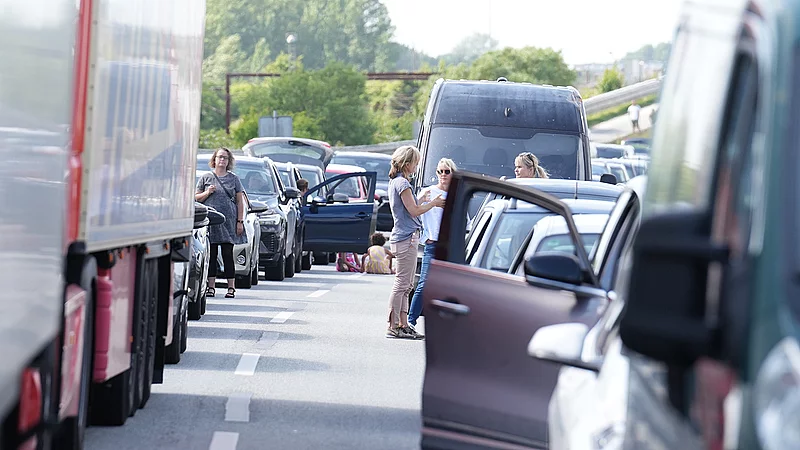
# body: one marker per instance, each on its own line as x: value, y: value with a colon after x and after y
x: 509, y: 104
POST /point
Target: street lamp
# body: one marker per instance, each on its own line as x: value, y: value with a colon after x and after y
x: 641, y: 71
x: 291, y: 38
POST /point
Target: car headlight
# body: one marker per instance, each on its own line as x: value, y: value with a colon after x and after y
x: 777, y: 397
x: 269, y: 218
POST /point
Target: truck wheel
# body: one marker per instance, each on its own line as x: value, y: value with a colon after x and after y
x: 150, y: 324
x: 290, y: 266
x: 73, y: 429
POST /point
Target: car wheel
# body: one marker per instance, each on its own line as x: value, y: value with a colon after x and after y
x: 306, y: 261
x: 298, y: 258
x: 290, y: 266
x: 277, y: 273
x: 321, y: 258
x: 254, y: 275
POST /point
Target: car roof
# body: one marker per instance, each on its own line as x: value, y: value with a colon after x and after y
x: 579, y: 188
x: 363, y: 155
x: 579, y: 206
x: 344, y: 168
x: 585, y: 223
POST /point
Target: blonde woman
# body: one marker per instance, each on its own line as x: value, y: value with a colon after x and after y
x: 526, y: 165
x: 404, y: 240
x: 431, y: 221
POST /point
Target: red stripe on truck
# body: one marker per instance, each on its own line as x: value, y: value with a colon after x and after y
x: 80, y: 91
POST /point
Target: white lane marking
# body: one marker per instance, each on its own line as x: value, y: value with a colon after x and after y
x: 281, y: 317
x: 224, y: 440
x: 319, y: 293
x: 247, y: 365
x: 237, y: 409
x: 358, y: 275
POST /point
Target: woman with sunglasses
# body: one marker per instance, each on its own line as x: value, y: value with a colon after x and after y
x: 431, y: 221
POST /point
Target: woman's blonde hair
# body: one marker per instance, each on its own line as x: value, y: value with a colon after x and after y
x: 449, y: 163
x: 401, y: 158
x: 231, y: 159
x: 530, y: 161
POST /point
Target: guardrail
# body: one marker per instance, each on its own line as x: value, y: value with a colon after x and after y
x: 602, y: 102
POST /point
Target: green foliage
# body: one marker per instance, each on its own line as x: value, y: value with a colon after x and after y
x: 470, y: 48
x: 212, y: 107
x: 216, y: 138
x: 649, y: 53
x: 617, y: 111
x: 245, y: 128
x: 611, y: 81
x: 531, y: 64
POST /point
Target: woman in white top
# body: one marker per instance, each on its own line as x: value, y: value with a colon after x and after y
x: 431, y: 221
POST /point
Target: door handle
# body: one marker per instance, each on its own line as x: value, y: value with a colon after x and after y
x: 362, y: 215
x: 450, y: 306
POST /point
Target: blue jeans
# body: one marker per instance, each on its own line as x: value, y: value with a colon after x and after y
x: 416, y: 302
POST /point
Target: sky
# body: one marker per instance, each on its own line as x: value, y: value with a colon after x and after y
x: 586, y: 31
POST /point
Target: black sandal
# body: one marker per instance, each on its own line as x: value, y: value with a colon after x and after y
x: 210, y: 291
x: 231, y: 293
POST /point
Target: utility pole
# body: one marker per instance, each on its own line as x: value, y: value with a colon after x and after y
x: 291, y: 39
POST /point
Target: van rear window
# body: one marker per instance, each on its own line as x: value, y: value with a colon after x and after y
x: 492, y: 150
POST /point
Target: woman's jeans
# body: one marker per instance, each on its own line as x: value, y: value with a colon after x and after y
x: 405, y: 253
x: 416, y: 302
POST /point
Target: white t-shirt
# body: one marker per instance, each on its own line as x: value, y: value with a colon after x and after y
x: 431, y: 220
x: 633, y: 112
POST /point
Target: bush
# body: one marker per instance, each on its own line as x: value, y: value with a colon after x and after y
x: 611, y: 81
x: 215, y: 138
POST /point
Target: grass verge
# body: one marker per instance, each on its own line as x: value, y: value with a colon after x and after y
x: 641, y: 134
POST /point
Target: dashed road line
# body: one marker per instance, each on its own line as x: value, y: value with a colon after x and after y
x: 237, y: 409
x: 281, y: 317
x: 319, y: 293
x: 247, y: 364
x: 224, y: 440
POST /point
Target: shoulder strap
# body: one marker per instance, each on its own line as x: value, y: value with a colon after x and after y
x: 223, y: 186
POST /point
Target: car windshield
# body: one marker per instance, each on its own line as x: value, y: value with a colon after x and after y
x: 508, y: 236
x: 610, y: 152
x: 256, y: 180
x: 311, y: 176
x: 563, y: 243
x: 491, y: 150
x: 379, y: 165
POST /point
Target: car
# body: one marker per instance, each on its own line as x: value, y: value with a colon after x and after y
x: 641, y: 146
x: 634, y: 166
x: 381, y: 164
x: 602, y: 167
x: 245, y: 256
x: 611, y: 151
x: 503, y: 227
x: 281, y: 244
x: 355, y: 188
x: 198, y: 267
x: 481, y: 388
x: 290, y: 149
x: 483, y: 125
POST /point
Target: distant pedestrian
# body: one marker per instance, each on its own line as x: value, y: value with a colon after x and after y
x: 378, y: 259
x: 302, y: 186
x: 405, y: 237
x: 633, y: 114
x: 526, y: 165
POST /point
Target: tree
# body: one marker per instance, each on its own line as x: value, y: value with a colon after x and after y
x: 228, y: 57
x: 470, y: 48
x: 611, y: 81
x: 528, y: 64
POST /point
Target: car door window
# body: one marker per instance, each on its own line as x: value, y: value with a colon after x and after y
x: 509, y: 234
x: 477, y: 233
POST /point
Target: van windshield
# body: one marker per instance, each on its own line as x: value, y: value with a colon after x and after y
x: 491, y: 150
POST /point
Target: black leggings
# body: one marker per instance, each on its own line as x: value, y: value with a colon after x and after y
x: 227, y: 261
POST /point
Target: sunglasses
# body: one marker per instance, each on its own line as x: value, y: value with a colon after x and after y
x: 443, y: 171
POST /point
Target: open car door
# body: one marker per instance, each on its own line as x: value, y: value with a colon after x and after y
x: 336, y: 222
x: 481, y: 388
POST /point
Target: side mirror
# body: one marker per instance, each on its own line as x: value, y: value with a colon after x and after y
x: 609, y: 178
x: 562, y: 344
x: 258, y: 207
x: 292, y: 192
x: 215, y: 217
x: 340, y: 198
x: 554, y: 266
x: 200, y: 214
x: 203, y: 223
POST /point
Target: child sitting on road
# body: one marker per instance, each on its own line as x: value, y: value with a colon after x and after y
x: 347, y: 262
x: 377, y: 259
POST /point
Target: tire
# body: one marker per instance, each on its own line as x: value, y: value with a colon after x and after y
x: 172, y: 354
x: 203, y: 303
x: 243, y: 282
x: 298, y: 258
x: 290, y: 264
x: 331, y: 257
x: 71, y: 434
x: 185, y: 333
x: 254, y: 275
x: 320, y: 258
x: 277, y: 273
x: 152, y: 323
x: 306, y: 261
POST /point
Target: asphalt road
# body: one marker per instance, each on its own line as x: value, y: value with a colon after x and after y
x: 298, y: 364
x: 619, y: 127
